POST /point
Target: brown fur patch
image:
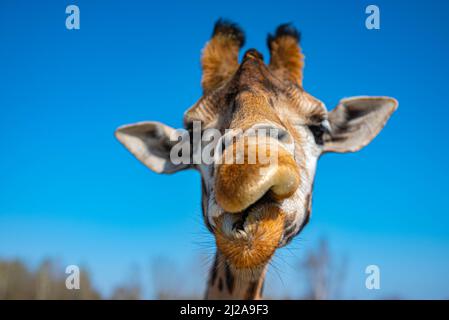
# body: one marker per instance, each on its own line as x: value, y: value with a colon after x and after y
x: 230, y: 281
x: 251, y: 292
x: 214, y: 269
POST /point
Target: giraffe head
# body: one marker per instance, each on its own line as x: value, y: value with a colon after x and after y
x: 253, y: 208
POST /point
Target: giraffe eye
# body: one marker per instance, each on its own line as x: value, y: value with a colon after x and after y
x: 318, y: 131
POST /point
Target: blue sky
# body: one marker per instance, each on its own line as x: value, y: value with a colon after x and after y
x: 68, y: 189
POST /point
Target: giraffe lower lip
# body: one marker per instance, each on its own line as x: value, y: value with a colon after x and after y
x: 250, y: 240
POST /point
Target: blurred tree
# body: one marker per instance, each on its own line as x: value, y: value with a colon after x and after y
x: 127, y: 293
x: 132, y: 290
x: 18, y: 282
x: 324, y: 275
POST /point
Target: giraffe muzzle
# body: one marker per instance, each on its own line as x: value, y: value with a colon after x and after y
x: 249, y: 231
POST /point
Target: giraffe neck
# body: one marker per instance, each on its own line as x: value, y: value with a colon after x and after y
x: 228, y: 283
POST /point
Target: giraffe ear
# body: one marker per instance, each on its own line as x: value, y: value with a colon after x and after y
x: 153, y: 144
x: 356, y: 121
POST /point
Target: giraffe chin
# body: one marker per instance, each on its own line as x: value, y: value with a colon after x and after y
x: 249, y: 240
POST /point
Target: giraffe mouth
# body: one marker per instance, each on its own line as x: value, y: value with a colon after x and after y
x: 249, y: 239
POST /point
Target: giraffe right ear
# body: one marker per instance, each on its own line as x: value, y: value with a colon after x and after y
x: 152, y: 144
x: 356, y: 121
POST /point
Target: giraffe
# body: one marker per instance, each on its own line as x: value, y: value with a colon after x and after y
x: 252, y: 209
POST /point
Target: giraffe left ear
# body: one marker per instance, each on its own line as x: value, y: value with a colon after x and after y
x: 152, y: 143
x: 356, y: 121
